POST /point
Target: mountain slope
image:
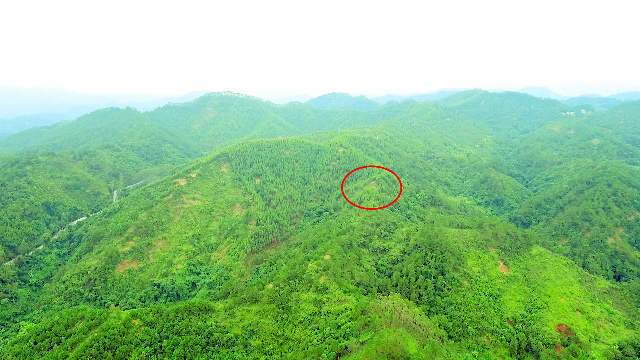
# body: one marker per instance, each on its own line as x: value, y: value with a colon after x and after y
x: 255, y: 246
x: 111, y: 149
x: 500, y: 245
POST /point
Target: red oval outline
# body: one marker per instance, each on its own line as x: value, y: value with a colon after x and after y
x: 368, y: 166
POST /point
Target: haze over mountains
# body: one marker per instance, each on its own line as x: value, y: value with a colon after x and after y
x: 216, y: 228
x: 23, y: 108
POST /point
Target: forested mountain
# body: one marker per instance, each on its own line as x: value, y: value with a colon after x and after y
x: 602, y: 103
x: 627, y: 96
x: 598, y: 103
x: 516, y: 234
x: 20, y: 123
x: 113, y: 148
x: 22, y: 109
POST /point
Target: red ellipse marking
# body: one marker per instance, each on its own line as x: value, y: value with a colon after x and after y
x: 368, y: 166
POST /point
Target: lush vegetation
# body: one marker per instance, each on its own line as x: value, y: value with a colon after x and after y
x: 516, y: 236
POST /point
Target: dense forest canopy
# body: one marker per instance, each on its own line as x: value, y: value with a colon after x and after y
x: 217, y: 228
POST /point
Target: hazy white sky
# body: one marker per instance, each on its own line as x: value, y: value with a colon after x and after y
x: 268, y: 48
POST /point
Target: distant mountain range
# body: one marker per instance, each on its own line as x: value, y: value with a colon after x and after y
x: 23, y: 108
x: 542, y: 92
x: 418, y: 97
x: 598, y: 101
x: 342, y: 101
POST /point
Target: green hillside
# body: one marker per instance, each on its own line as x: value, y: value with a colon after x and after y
x: 516, y: 235
x: 57, y: 174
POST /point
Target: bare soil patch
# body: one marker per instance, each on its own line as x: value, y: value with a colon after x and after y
x: 168, y: 196
x: 237, y: 210
x: 579, y: 312
x: 126, y: 248
x: 258, y: 180
x: 372, y: 186
x: 287, y: 151
x: 126, y: 264
x: 510, y: 322
x: 611, y: 240
x: 181, y: 182
x: 558, y: 349
x: 585, y: 233
x: 270, y: 286
x: 95, y: 261
x: 563, y: 241
x: 179, y: 266
x: 189, y: 201
x: 225, y: 167
x: 619, y: 232
x: 322, y: 279
x: 223, y: 254
x: 492, y: 249
x: 561, y: 328
x: 631, y: 217
x: 341, y: 149
x: 327, y: 257
x: 176, y: 217
x: 193, y: 175
x: 209, y: 112
x: 158, y: 244
x: 557, y: 127
x: 130, y: 229
x: 563, y: 299
x: 570, y: 132
x: 503, y: 268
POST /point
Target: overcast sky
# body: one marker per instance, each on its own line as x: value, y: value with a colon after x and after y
x: 270, y: 48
